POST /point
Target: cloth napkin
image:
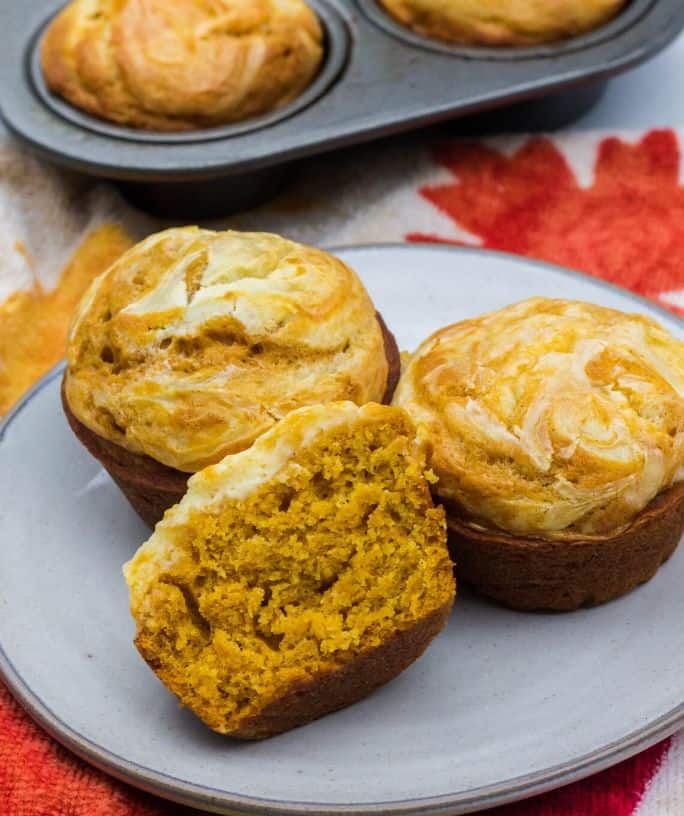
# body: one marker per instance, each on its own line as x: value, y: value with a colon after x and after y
x: 611, y: 205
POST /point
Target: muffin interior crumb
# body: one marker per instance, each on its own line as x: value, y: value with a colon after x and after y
x: 330, y: 558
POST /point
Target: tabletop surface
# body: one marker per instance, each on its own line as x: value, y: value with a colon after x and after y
x: 645, y: 97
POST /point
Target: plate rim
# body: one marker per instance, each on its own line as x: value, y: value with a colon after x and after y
x: 449, y: 804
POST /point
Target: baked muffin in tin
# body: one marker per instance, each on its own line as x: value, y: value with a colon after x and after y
x: 178, y: 65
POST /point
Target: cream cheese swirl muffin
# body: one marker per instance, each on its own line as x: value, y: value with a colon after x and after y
x: 181, y: 64
x: 196, y: 342
x: 550, y: 419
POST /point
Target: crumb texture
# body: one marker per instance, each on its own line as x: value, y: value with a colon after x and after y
x: 502, y: 22
x: 181, y: 65
x: 332, y: 555
x: 551, y: 418
x: 195, y: 342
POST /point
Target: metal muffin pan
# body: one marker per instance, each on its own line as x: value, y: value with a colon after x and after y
x: 378, y: 79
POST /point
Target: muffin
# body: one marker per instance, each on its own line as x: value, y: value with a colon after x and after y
x: 557, y: 436
x: 196, y: 342
x: 502, y: 22
x: 298, y: 576
x: 174, y: 65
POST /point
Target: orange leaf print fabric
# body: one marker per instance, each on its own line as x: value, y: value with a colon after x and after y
x: 627, y: 227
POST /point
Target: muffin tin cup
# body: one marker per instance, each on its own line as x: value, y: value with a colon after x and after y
x: 191, y: 201
x: 378, y: 79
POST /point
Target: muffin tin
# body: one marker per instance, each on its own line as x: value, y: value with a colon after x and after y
x: 378, y: 78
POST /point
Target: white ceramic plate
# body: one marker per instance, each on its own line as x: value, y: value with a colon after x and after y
x: 503, y: 705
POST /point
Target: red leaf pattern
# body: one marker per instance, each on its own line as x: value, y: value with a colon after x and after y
x: 627, y: 228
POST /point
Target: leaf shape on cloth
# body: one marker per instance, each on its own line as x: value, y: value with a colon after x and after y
x: 627, y: 227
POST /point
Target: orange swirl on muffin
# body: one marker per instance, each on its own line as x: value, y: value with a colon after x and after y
x: 181, y: 64
x: 502, y: 22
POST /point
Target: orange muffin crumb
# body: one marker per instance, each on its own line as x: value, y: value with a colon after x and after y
x: 297, y: 576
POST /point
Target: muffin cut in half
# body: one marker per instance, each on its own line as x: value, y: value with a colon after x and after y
x: 195, y: 342
x: 296, y: 577
x: 175, y: 65
x: 502, y: 22
x: 556, y: 431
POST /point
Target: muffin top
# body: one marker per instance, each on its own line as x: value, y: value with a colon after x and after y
x: 502, y: 22
x: 551, y: 418
x: 288, y: 561
x: 181, y: 64
x: 195, y: 342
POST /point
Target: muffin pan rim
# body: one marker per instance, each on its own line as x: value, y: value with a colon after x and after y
x: 630, y: 14
x: 337, y: 45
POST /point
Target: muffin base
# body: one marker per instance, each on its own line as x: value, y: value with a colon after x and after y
x: 331, y: 691
x: 532, y: 574
x: 151, y: 487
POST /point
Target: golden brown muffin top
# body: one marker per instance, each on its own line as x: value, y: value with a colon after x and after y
x: 502, y: 22
x: 550, y: 417
x: 181, y: 64
x: 288, y: 561
x: 195, y: 342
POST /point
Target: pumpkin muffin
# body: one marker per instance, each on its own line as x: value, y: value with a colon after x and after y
x: 195, y: 342
x: 502, y: 22
x: 173, y: 65
x: 298, y: 576
x: 557, y: 436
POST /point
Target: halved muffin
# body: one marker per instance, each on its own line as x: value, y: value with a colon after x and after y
x: 557, y: 435
x: 502, y: 22
x: 195, y: 342
x: 172, y: 65
x: 296, y: 577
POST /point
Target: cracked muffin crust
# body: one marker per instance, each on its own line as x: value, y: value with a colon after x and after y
x: 502, y: 22
x: 295, y: 577
x: 173, y: 65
